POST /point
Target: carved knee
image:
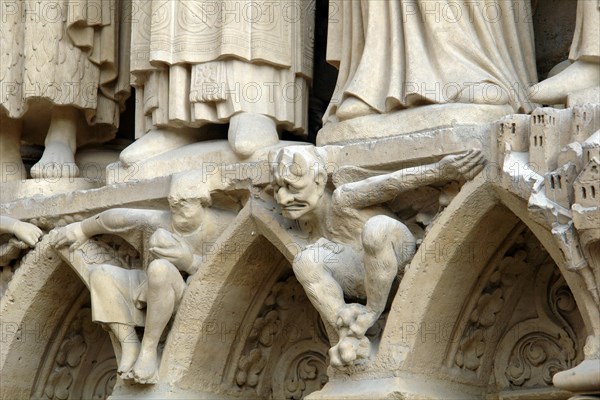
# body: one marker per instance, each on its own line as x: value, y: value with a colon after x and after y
x: 377, y: 232
x: 160, y: 272
x: 382, y: 231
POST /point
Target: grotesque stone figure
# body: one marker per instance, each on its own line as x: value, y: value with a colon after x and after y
x: 584, y: 70
x: 358, y: 245
x: 395, y: 55
x: 240, y: 62
x: 64, y: 80
x: 174, y: 241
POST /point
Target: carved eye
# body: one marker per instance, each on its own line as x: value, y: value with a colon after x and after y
x: 292, y: 189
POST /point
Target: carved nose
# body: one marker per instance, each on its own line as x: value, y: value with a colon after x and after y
x: 284, y: 197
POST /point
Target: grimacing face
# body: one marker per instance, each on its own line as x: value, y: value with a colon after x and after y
x: 186, y: 214
x: 297, y: 194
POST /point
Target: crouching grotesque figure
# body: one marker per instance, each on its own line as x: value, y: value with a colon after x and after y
x: 171, y: 243
x: 358, y: 245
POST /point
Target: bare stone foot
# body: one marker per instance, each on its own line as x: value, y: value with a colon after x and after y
x: 578, y: 76
x: 249, y: 132
x: 355, y: 319
x: 58, y: 161
x: 348, y: 350
x: 353, y: 108
x: 145, y: 370
x: 130, y: 351
x: 156, y: 142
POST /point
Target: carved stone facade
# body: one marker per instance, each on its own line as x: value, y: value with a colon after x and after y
x: 420, y: 219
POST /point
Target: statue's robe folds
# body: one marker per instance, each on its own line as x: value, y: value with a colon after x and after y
x: 397, y: 54
x: 65, y: 53
x: 195, y: 62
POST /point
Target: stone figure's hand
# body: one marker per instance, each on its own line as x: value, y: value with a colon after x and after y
x: 462, y: 166
x: 173, y: 248
x: 71, y: 234
x: 27, y: 233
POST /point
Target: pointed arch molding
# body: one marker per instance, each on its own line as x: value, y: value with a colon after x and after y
x: 445, y: 276
x: 33, y: 309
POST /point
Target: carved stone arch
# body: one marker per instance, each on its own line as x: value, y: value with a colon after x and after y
x: 40, y: 293
x: 50, y: 347
x: 80, y: 361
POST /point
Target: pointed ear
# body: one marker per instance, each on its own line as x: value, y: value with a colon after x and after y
x: 300, y: 165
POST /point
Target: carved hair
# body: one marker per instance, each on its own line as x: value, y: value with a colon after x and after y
x: 184, y: 187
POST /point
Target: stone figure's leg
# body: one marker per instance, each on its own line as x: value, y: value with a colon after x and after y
x: 130, y: 346
x: 312, y: 269
x: 165, y: 290
x: 111, y: 305
x: 387, y: 244
x: 327, y: 271
x: 10, y: 149
x: 249, y: 132
x: 58, y: 160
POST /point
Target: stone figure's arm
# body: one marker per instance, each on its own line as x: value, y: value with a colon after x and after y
x: 118, y: 221
x: 383, y: 188
x: 173, y: 248
x: 24, y: 231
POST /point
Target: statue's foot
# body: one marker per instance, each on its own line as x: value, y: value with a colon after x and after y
x: 58, y: 161
x: 353, y: 107
x: 583, y: 378
x: 355, y: 319
x: 154, y: 143
x: 348, y: 350
x: 249, y: 132
x: 130, y: 351
x: 578, y: 76
x: 145, y: 370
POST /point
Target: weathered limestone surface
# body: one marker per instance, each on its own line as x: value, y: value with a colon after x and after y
x: 421, y: 246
